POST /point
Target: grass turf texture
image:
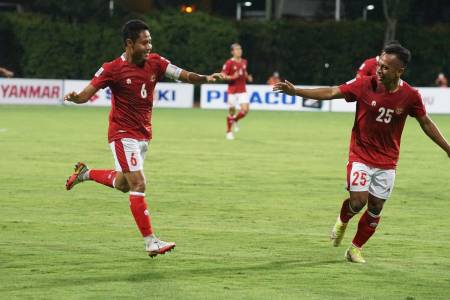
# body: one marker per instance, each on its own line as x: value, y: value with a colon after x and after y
x: 251, y: 217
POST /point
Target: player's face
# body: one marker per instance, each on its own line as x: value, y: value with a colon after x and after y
x: 236, y: 52
x: 389, y: 68
x: 142, y: 47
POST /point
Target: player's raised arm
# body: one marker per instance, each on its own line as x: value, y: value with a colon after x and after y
x: 83, y: 96
x: 191, y: 77
x: 327, y: 93
x: 432, y: 131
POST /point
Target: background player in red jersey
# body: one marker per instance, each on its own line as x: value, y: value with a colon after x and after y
x: 383, y: 103
x: 369, y: 66
x: 132, y: 78
x: 235, y: 72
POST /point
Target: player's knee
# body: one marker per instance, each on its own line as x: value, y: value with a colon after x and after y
x: 138, y: 186
x: 376, y: 207
x: 121, y: 184
x: 356, y: 204
x: 123, y: 188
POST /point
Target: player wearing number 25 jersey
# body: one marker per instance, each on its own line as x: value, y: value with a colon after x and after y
x: 383, y: 103
x: 380, y: 118
x: 132, y: 78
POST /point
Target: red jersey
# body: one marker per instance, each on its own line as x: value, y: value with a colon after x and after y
x: 368, y: 67
x: 132, y: 89
x: 379, y: 119
x: 232, y: 67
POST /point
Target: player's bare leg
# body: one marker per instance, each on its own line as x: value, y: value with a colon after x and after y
x: 366, y: 228
x: 153, y: 245
x: 350, y: 207
x: 121, y: 183
x: 230, y: 121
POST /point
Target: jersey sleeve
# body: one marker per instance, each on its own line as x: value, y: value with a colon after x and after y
x: 362, y: 70
x: 103, y: 77
x: 352, y: 89
x: 162, y: 63
x: 226, y: 69
x: 417, y: 108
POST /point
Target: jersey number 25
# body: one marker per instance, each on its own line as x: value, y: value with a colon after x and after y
x: 385, y: 115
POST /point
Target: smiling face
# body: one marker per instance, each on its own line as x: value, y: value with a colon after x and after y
x: 389, y: 68
x: 140, y: 48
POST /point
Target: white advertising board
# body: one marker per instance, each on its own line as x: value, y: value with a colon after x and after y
x: 261, y: 97
x: 175, y: 95
x: 31, y: 91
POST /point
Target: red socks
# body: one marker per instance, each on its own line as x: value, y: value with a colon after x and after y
x: 105, y: 177
x: 366, y: 228
x: 140, y: 213
x: 241, y: 114
x: 346, y: 211
x: 230, y: 120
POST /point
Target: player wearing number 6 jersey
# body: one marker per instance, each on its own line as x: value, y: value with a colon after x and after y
x: 383, y: 103
x: 132, y: 78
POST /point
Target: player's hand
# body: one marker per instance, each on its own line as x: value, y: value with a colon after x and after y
x: 250, y: 78
x: 71, y: 97
x: 284, y: 87
x: 9, y: 74
x: 214, y: 77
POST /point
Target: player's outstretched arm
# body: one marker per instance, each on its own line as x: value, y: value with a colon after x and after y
x: 5, y: 72
x: 433, y: 133
x: 191, y: 77
x: 327, y: 93
x: 82, y: 97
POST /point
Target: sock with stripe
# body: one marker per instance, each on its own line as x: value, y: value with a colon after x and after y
x: 346, y: 211
x: 241, y: 114
x: 140, y: 213
x: 366, y: 228
x: 105, y: 177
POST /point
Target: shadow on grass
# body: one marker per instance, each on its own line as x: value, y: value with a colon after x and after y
x: 191, y: 273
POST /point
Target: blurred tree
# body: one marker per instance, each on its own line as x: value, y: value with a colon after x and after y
x: 76, y: 11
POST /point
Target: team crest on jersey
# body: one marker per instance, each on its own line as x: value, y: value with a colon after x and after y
x: 153, y: 78
x: 399, y: 110
x: 374, y: 103
x: 128, y: 81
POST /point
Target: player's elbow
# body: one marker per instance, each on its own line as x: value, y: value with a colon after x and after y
x: 333, y: 93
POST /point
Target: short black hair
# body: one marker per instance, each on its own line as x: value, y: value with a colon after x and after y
x: 392, y: 42
x: 132, y: 28
x: 403, y: 54
x: 234, y: 45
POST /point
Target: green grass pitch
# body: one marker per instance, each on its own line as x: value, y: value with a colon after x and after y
x: 251, y: 217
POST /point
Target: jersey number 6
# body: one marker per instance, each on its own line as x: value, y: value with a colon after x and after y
x: 143, y: 91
